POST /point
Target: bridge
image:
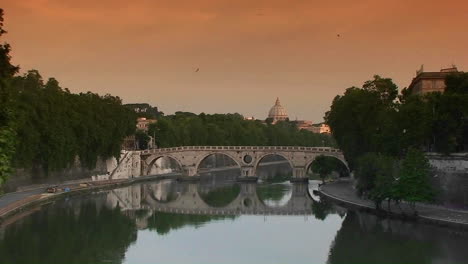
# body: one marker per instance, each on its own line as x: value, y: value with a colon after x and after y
x: 247, y: 158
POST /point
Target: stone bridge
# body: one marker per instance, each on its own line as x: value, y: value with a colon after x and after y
x: 247, y: 202
x: 247, y: 158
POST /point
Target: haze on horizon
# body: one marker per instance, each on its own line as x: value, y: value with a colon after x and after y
x: 248, y: 52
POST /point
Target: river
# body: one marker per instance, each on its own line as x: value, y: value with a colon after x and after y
x: 217, y: 220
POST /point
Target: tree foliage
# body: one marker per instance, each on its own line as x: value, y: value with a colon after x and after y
x: 362, y: 120
x: 370, y: 119
x: 7, y: 132
x: 188, y: 129
x: 55, y: 126
x: 43, y: 125
x: 323, y: 166
x: 413, y: 184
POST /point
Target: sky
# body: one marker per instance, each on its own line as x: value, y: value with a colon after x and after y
x: 248, y: 52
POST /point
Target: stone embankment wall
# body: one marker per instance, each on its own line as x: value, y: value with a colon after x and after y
x: 127, y: 167
x: 450, y: 178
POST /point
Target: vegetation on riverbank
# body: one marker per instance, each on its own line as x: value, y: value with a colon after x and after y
x: 188, y: 129
x: 374, y: 118
x: 383, y: 134
x: 43, y: 125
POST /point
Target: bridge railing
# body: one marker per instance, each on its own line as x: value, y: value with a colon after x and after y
x: 240, y: 148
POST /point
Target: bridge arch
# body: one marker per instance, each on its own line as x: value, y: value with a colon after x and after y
x: 260, y: 158
x: 153, y: 158
x: 205, y: 156
x: 337, y: 157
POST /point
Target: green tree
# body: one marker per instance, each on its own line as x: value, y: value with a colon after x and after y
x: 384, y: 181
x: 457, y: 83
x: 142, y: 139
x: 374, y: 175
x: 188, y: 129
x: 7, y: 70
x: 323, y: 166
x: 7, y: 132
x: 362, y: 120
x: 413, y: 184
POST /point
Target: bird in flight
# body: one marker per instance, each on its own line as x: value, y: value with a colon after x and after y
x: 338, y: 35
x: 197, y: 70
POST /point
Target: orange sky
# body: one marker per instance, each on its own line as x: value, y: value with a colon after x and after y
x: 248, y: 51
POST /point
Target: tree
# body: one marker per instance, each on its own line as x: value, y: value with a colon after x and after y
x: 323, y: 166
x: 375, y: 175
x: 457, y: 83
x: 363, y: 119
x: 7, y: 132
x: 384, y: 180
x: 413, y: 184
x: 7, y: 70
x: 142, y: 139
x: 384, y: 87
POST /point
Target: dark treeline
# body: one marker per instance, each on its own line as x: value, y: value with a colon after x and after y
x: 188, y: 129
x: 375, y: 118
x: 45, y: 126
x: 383, y: 135
x: 55, y: 126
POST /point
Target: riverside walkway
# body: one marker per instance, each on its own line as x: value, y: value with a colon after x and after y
x: 15, y: 202
x: 343, y: 192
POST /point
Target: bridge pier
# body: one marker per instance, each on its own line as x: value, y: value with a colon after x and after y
x: 247, y: 171
x: 299, y: 172
x: 189, y: 171
x: 299, y: 175
x: 247, y: 174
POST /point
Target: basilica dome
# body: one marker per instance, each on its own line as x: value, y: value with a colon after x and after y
x: 277, y: 112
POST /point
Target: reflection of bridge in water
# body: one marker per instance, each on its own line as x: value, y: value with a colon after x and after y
x: 187, y: 198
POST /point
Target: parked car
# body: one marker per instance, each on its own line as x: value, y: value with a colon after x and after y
x: 52, y: 189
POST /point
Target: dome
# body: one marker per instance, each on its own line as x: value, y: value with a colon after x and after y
x: 277, y: 112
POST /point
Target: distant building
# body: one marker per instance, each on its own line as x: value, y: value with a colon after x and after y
x: 277, y: 112
x: 320, y: 128
x: 304, y: 124
x: 143, y: 123
x: 426, y: 82
x: 250, y: 118
x: 324, y: 129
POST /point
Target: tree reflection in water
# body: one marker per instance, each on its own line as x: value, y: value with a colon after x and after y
x: 367, y: 239
x: 219, y: 196
x: 100, y: 227
x: 84, y: 233
x: 274, y: 195
x: 163, y: 222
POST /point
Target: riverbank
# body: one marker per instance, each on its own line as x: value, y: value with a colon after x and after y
x: 16, y: 202
x: 343, y: 193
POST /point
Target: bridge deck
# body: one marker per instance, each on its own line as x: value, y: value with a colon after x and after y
x: 226, y: 148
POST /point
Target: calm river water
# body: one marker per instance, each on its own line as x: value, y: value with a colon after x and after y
x: 219, y: 221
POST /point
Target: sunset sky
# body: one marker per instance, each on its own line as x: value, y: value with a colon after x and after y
x: 248, y: 51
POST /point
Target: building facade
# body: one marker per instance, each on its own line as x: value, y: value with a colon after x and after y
x: 144, y: 123
x: 427, y: 82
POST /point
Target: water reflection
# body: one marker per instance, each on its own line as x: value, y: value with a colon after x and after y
x: 276, y: 194
x: 219, y: 222
x: 365, y: 238
x: 219, y: 195
x: 77, y: 231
